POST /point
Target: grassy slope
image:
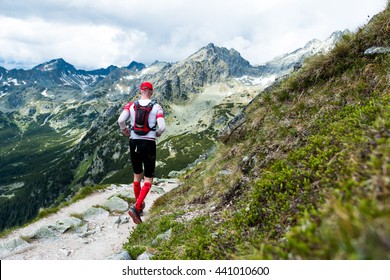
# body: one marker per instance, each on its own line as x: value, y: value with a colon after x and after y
x: 308, y: 180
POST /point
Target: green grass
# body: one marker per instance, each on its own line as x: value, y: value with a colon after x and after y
x: 82, y: 169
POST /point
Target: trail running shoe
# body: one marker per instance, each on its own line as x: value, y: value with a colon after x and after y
x: 142, y: 208
x: 134, y: 214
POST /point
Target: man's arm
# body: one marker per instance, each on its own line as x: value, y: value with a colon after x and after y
x: 160, y: 121
x: 161, y: 126
x: 122, y: 122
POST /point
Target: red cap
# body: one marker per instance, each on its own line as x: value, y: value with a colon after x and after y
x: 146, y: 85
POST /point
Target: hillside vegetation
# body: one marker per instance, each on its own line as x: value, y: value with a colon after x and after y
x: 307, y: 177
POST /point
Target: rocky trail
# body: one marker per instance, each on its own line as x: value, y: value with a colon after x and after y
x: 94, y: 228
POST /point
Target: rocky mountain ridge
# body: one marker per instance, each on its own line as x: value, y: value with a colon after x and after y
x: 294, y: 60
x: 173, y: 80
x: 58, y: 73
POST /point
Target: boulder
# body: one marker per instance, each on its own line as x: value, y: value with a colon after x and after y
x: 161, y: 237
x: 374, y: 51
x: 44, y: 232
x: 116, y: 204
x: 95, y: 213
x: 235, y: 129
x: 124, y: 255
x: 145, y: 256
x: 13, y: 247
x: 65, y: 224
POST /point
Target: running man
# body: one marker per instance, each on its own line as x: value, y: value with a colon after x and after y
x: 142, y: 143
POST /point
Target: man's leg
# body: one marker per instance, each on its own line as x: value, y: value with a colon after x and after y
x: 149, y: 160
x: 136, y: 161
x: 137, y: 185
x: 144, y: 192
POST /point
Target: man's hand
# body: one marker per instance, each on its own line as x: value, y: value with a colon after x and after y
x: 126, y: 132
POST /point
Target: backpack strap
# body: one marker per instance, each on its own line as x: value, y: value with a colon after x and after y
x: 153, y: 102
x: 151, y: 105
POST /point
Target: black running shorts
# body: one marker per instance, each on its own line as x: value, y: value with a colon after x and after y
x: 143, y: 156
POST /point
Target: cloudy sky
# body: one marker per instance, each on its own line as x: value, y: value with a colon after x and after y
x: 92, y: 34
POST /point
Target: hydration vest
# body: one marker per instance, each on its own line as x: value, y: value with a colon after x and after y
x: 141, y: 121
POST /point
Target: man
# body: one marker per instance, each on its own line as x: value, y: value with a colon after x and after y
x: 142, y: 143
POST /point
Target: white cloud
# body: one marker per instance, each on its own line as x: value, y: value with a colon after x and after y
x: 300, y: 21
x: 94, y: 34
x: 85, y: 45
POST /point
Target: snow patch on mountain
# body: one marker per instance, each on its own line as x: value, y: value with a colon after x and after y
x: 45, y: 94
x: 11, y: 82
x: 49, y: 67
x: 262, y: 81
x: 130, y: 77
x: 122, y: 89
x: 81, y: 81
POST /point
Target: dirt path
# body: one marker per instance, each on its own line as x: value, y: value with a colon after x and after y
x: 99, y: 236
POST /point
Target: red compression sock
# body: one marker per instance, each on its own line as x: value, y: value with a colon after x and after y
x: 137, y: 189
x: 144, y: 191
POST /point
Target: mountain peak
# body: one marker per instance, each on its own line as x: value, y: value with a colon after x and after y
x: 55, y: 64
x: 211, y: 51
x: 136, y: 66
x: 210, y: 46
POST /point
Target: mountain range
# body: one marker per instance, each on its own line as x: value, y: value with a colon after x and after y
x: 58, y: 123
